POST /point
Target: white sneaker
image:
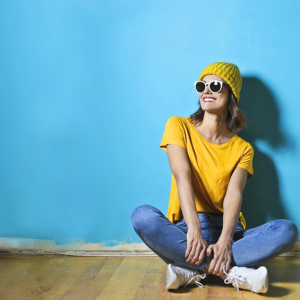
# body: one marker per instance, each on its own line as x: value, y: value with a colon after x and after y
x: 178, y: 276
x: 255, y: 280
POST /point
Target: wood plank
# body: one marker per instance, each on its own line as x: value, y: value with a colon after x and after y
x: 82, y: 285
x: 125, y: 281
x: 60, y: 283
x: 24, y: 281
x: 153, y: 284
x: 9, y: 268
x: 94, y: 289
x: 90, y: 278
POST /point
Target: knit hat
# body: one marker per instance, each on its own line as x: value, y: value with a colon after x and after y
x: 228, y: 72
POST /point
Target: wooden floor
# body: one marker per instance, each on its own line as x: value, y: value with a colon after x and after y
x: 88, y: 278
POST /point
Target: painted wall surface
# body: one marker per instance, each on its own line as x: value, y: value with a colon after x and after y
x: 87, y: 87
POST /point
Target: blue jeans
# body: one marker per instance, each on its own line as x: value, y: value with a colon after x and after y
x: 249, y: 247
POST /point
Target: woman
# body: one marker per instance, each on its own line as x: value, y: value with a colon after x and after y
x: 204, y: 232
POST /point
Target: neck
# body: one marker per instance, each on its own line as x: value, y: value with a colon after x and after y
x: 213, y: 127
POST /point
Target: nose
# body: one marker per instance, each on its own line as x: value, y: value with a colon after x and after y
x: 206, y: 90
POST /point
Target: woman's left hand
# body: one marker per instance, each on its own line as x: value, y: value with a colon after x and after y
x: 222, y: 253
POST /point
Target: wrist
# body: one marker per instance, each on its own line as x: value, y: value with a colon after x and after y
x: 194, y: 225
x: 225, y: 238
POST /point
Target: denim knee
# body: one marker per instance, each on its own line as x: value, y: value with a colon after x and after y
x: 142, y: 215
x: 289, y: 233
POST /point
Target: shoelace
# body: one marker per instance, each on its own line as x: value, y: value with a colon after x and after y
x: 196, y: 278
x: 193, y: 278
x: 236, y: 277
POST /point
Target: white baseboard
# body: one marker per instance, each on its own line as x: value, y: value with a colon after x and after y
x: 31, y: 247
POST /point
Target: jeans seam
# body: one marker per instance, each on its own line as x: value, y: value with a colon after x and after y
x: 252, y: 235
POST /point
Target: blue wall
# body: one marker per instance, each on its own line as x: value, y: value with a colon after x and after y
x: 86, y: 89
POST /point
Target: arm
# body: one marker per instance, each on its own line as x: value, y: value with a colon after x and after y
x: 181, y: 170
x: 180, y: 166
x: 232, y: 207
x: 233, y: 202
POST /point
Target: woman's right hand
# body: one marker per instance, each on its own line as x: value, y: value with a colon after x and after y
x: 196, y: 246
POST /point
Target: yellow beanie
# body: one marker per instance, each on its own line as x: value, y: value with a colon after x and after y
x: 228, y: 72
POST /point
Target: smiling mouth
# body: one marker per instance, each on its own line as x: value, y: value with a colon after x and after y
x: 207, y: 99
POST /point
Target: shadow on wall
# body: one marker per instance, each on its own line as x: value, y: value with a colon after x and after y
x: 262, y: 197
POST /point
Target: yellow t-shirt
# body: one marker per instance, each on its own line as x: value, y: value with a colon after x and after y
x: 211, y: 166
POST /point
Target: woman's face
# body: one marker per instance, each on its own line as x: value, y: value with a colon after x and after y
x: 214, y: 102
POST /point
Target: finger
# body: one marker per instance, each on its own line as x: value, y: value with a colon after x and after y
x: 227, y: 266
x: 226, y: 263
x: 188, y: 249
x: 213, y: 263
x: 201, y: 256
x: 209, y: 250
x: 211, y: 266
x: 217, y: 266
x: 221, y: 272
x: 197, y: 253
x: 192, y: 253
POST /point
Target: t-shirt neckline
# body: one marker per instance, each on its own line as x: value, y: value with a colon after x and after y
x: 209, y: 143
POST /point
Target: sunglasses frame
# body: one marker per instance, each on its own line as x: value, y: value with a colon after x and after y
x: 208, y: 84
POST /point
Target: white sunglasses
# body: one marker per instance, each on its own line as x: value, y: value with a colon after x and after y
x: 214, y: 86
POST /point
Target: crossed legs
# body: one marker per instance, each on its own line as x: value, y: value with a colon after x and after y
x: 255, y: 245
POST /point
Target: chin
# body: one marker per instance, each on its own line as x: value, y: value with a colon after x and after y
x: 215, y: 109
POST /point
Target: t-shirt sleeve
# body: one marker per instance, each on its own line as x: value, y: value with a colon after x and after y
x: 174, y: 133
x: 246, y: 161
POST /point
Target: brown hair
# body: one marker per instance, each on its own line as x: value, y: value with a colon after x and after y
x: 235, y: 121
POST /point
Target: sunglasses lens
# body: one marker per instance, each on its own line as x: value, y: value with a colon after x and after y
x: 215, y: 86
x: 200, y: 87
